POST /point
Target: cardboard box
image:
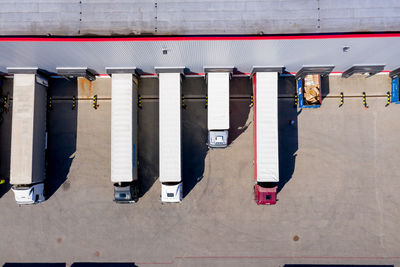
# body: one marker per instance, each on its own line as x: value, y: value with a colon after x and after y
x: 312, y: 89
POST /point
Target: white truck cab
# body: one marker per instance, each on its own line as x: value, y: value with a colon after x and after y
x: 218, y: 138
x: 30, y: 194
x: 171, y: 192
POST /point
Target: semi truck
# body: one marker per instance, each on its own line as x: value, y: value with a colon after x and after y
x: 266, y: 154
x: 218, y: 105
x: 170, y: 171
x: 124, y: 121
x: 309, y: 85
x: 28, y: 136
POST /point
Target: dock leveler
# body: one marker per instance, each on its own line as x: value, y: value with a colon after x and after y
x: 170, y: 133
x: 266, y: 154
x: 308, y: 80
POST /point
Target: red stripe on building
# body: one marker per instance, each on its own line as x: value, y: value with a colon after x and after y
x: 199, y: 38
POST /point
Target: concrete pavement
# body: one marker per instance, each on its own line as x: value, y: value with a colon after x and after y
x: 339, y: 190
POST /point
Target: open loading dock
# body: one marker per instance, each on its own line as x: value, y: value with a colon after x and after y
x: 308, y: 80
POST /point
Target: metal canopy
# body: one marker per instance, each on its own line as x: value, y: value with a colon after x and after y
x: 370, y: 69
x: 394, y: 73
x: 22, y: 70
x: 218, y: 69
x: 128, y: 70
x: 321, y: 70
x: 255, y: 69
x: 76, y: 72
x: 180, y: 70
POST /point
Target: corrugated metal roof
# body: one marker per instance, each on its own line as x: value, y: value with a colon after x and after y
x: 242, y: 52
x: 218, y: 100
x: 266, y: 99
x: 123, y: 127
x: 170, y: 127
x: 177, y: 17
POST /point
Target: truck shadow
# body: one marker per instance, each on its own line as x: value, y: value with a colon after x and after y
x: 148, y: 129
x: 287, y: 130
x: 240, y: 92
x: 5, y: 137
x: 62, y: 131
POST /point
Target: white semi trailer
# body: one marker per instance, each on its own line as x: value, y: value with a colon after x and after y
x: 266, y: 154
x: 170, y: 133
x: 218, y: 105
x: 28, y: 136
x: 124, y: 169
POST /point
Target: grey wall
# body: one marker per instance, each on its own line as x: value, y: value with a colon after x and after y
x: 194, y: 54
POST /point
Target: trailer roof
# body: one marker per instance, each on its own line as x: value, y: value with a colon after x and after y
x: 170, y: 127
x: 123, y: 128
x: 22, y: 132
x: 266, y: 124
x: 218, y: 100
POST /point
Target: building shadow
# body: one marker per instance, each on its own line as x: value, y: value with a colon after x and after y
x: 287, y: 132
x: 62, y: 131
x: 5, y: 136
x: 148, y: 134
x: 241, y: 91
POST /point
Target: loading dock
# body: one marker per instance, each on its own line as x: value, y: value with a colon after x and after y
x: 308, y: 80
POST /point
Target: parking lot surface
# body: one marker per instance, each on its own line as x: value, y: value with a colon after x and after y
x: 338, y: 200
